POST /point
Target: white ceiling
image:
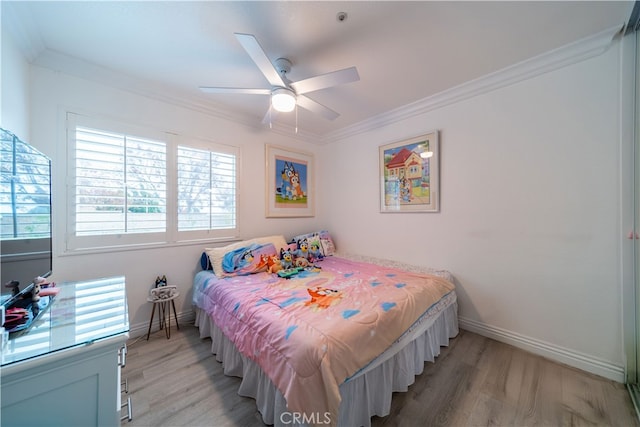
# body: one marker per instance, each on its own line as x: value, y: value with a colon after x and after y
x: 404, y: 51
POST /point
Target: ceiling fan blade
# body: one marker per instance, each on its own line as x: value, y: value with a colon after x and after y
x: 322, y: 81
x: 235, y: 90
x: 255, y: 51
x: 315, y: 107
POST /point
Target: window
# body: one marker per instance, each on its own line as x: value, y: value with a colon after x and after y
x: 120, y: 183
x: 137, y: 186
x: 206, y: 190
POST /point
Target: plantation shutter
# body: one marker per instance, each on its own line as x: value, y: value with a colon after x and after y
x: 120, y: 183
x: 206, y: 189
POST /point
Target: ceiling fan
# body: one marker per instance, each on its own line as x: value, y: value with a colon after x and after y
x: 285, y: 94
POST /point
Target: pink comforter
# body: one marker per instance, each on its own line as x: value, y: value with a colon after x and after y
x: 311, y: 332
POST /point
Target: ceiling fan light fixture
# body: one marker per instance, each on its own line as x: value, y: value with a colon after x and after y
x: 283, y: 100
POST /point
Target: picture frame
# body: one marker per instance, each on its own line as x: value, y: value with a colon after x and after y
x: 290, y: 183
x: 410, y: 174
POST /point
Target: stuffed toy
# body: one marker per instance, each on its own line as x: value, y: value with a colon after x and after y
x: 303, y: 249
x: 314, y: 251
x: 274, y: 264
x: 263, y: 264
x: 286, y: 258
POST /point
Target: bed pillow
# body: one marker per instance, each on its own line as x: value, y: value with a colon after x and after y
x: 216, y: 254
x: 248, y: 259
x: 320, y: 238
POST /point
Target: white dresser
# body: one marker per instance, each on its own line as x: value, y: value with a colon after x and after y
x: 65, y: 369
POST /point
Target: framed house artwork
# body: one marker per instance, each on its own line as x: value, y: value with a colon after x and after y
x: 290, y: 191
x: 410, y: 175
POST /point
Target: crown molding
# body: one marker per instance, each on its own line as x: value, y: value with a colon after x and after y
x: 88, y: 71
x: 79, y: 68
x: 572, y: 53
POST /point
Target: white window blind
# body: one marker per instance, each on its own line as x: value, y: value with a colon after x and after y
x: 133, y: 186
x: 206, y: 189
x: 120, y: 183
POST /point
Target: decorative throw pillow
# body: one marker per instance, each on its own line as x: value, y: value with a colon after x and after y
x: 216, y: 254
x: 328, y: 247
x: 248, y: 259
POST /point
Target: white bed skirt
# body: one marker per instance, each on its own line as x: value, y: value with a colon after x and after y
x: 364, y: 395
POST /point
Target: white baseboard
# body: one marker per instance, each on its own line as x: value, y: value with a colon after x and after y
x: 140, y: 329
x: 556, y: 353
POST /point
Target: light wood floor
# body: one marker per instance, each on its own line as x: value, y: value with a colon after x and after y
x: 475, y: 381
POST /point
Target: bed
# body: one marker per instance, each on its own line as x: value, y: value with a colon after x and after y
x: 328, y: 344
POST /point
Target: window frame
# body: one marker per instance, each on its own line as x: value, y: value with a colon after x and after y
x: 171, y: 235
x: 210, y: 234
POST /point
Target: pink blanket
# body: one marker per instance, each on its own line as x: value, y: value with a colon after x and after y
x: 311, y: 332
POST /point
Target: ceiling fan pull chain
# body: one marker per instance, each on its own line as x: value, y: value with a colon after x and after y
x: 296, y: 118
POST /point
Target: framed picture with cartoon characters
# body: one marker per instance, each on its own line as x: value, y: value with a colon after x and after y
x: 290, y: 191
x: 410, y: 175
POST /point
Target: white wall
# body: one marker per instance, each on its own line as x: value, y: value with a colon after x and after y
x: 530, y: 207
x: 14, y: 87
x: 55, y: 93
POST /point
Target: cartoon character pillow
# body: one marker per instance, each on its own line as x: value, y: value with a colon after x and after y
x: 320, y: 242
x: 328, y: 247
x: 216, y: 254
x: 248, y: 259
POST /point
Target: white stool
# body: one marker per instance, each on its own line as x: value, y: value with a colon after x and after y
x: 164, y: 297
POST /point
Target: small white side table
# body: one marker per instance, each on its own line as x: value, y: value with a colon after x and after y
x: 164, y: 303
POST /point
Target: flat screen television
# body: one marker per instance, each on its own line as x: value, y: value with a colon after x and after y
x: 25, y: 215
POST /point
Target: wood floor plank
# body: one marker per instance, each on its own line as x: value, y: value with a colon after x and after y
x: 475, y: 381
x: 490, y: 411
x: 584, y: 400
x: 542, y: 404
x: 503, y: 373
